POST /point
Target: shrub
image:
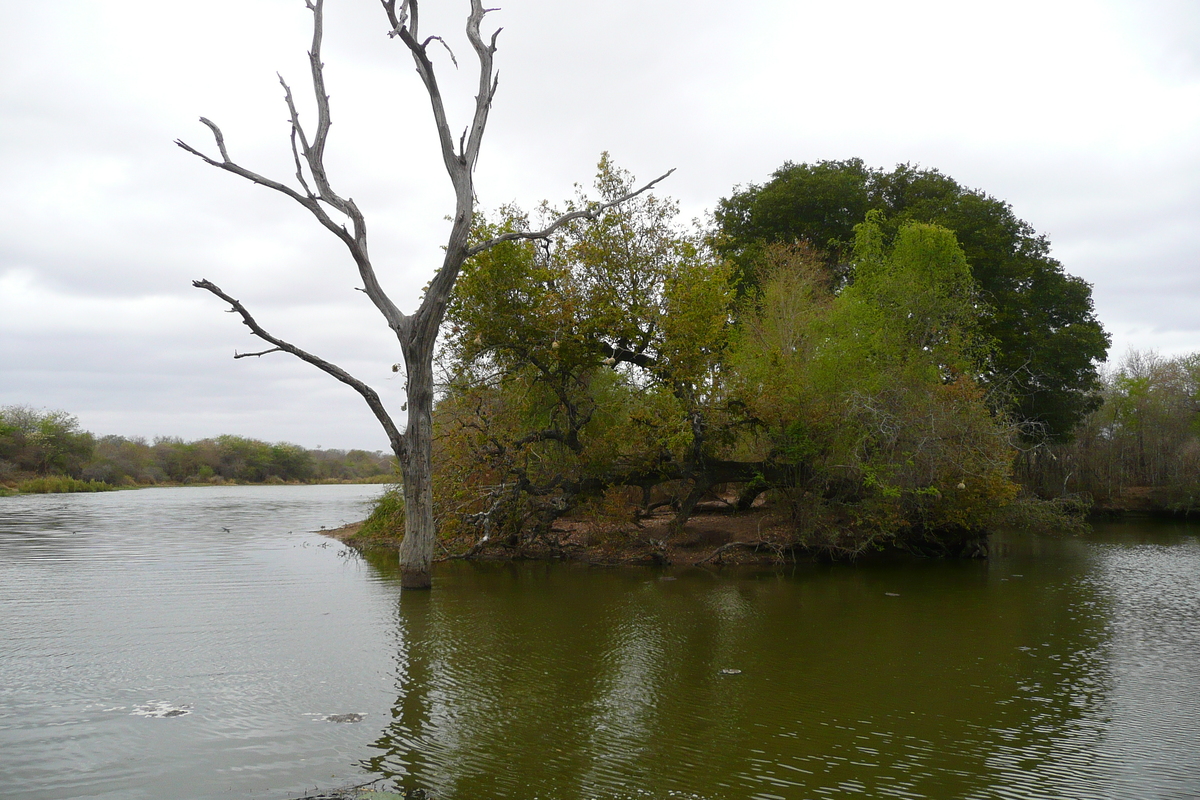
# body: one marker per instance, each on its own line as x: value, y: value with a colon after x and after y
x: 60, y: 484
x: 386, y: 521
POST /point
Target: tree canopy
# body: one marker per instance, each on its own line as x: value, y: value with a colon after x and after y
x: 1047, y: 339
x: 42, y: 442
x: 620, y: 357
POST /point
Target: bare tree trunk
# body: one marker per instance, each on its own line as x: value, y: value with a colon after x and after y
x: 417, y: 333
x: 420, y: 530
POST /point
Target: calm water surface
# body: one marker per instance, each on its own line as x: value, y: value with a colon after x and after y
x: 147, y: 652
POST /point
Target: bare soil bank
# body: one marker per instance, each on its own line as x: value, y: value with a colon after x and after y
x: 713, y: 535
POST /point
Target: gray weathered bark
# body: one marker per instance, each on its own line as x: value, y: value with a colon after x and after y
x: 416, y: 333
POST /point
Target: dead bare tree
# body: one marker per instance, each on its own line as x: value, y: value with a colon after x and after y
x: 416, y: 332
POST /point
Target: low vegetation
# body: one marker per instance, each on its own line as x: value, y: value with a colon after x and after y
x: 47, y: 451
x: 60, y: 484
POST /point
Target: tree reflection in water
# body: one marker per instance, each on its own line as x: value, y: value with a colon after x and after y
x: 922, y: 679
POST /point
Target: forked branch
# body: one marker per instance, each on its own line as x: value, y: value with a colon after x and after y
x: 310, y: 153
x: 368, y: 394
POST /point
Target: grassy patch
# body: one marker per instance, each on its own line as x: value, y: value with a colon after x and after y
x: 387, y: 477
x: 61, y: 484
x: 386, y: 521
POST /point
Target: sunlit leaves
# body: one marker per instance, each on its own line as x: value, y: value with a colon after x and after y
x: 871, y: 388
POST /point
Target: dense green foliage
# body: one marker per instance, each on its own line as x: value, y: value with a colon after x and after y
x: 1047, y: 340
x: 620, y: 357
x: 582, y: 365
x: 230, y: 458
x: 42, y: 443
x: 50, y: 444
x: 867, y: 395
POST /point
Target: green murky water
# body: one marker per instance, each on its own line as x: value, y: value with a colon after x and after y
x: 1061, y: 668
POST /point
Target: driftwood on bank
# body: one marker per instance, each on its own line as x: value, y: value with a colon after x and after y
x: 725, y: 548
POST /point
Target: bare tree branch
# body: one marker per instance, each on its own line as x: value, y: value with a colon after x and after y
x: 299, y: 169
x: 429, y: 39
x: 220, y: 139
x: 297, y: 133
x: 588, y: 214
x: 623, y: 354
x: 425, y: 70
x: 720, y: 551
x: 398, y: 19
x: 312, y: 154
x: 236, y: 354
x: 316, y: 155
x: 249, y: 175
x: 368, y: 394
x: 487, y: 81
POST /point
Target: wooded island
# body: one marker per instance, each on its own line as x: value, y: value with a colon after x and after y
x: 864, y: 360
x: 886, y: 359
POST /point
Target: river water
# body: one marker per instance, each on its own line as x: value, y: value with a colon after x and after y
x: 193, y: 643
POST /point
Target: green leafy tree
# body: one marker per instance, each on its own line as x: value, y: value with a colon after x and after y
x: 119, y: 460
x: 290, y: 462
x: 619, y: 356
x: 866, y: 396
x: 1048, y: 341
x: 43, y: 442
x: 585, y: 363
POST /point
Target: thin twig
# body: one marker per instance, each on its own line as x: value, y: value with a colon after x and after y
x: 588, y: 214
x: 429, y: 39
x: 219, y: 137
x: 236, y: 354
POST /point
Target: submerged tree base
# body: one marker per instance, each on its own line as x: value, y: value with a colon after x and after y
x: 415, y: 579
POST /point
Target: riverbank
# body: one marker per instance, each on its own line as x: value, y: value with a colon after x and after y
x: 55, y: 484
x: 714, y: 534
x: 1151, y: 501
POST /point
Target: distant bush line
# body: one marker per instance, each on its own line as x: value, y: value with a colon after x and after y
x: 47, y: 451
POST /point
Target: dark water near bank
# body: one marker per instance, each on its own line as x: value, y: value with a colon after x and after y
x: 1062, y: 668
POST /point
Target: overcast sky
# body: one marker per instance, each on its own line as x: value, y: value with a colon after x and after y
x: 1085, y: 116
